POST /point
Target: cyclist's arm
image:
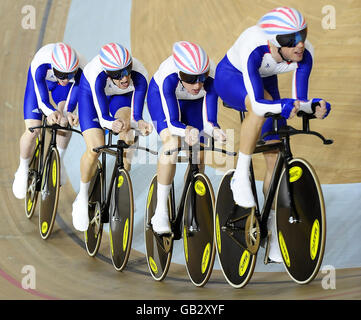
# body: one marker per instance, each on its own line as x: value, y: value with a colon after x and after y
x: 210, y: 107
x: 137, y: 104
x: 171, y: 106
x: 101, y: 102
x: 72, y: 99
x: 41, y: 89
x: 254, y: 86
x: 301, y: 76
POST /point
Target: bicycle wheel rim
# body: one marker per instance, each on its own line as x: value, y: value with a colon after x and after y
x: 237, y: 264
x: 199, y: 246
x: 158, y: 260
x: 302, y: 244
x: 93, y: 235
x: 121, y: 213
x: 49, y: 193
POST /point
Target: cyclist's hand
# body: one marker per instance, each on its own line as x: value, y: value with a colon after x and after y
x: 192, y: 135
x: 63, y: 121
x: 54, y: 118
x: 73, y: 119
x: 219, y: 135
x: 290, y: 108
x: 322, y: 110
x: 144, y: 127
x: 119, y: 125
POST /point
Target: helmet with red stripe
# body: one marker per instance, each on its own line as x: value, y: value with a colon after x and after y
x: 64, y: 61
x: 114, y: 57
x: 284, y: 26
x: 190, y: 58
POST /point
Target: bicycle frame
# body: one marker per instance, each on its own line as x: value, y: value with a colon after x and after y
x: 118, y: 153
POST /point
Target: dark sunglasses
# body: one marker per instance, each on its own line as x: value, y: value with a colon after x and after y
x: 63, y: 75
x: 119, y: 74
x: 291, y: 40
x: 191, y: 78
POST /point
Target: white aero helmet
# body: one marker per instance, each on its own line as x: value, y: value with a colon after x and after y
x: 64, y: 61
x: 284, y: 26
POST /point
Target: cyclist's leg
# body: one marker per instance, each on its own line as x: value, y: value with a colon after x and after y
x: 237, y: 97
x: 165, y: 174
x: 32, y: 117
x: 93, y: 137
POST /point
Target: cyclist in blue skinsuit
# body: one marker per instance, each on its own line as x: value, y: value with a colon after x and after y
x: 111, y: 96
x: 182, y: 102
x: 277, y: 44
x: 54, y: 72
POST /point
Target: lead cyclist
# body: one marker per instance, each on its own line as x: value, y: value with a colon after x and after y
x: 276, y: 44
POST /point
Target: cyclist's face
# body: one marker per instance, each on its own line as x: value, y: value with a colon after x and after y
x: 122, y: 83
x: 194, y: 88
x: 63, y: 82
x: 295, y: 53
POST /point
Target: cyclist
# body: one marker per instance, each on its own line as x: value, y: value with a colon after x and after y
x: 111, y: 96
x: 277, y: 44
x: 53, y: 75
x: 182, y: 102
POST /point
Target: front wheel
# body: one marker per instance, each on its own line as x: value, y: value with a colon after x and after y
x: 302, y: 242
x: 198, y: 240
x: 121, y: 214
x: 49, y: 193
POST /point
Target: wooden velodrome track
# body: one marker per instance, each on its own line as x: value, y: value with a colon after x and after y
x: 63, y: 269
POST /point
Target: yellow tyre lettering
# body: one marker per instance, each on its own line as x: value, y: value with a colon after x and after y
x: 150, y: 194
x: 200, y: 188
x: 295, y: 173
x: 54, y: 173
x: 44, y: 227
x: 185, y: 243
x: 30, y: 205
x: 244, y: 262
x: 315, y: 236
x: 205, y: 258
x: 218, y: 234
x: 125, y: 234
x: 37, y: 151
x: 120, y: 181
x: 284, y: 250
x: 153, y: 265
x: 111, y: 241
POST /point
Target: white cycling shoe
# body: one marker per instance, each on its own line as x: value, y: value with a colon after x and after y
x: 80, y: 214
x: 160, y: 223
x: 242, y: 192
x: 20, y: 184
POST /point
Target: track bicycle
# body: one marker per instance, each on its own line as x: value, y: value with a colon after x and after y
x: 44, y: 178
x: 112, y: 203
x: 300, y: 214
x: 192, y: 221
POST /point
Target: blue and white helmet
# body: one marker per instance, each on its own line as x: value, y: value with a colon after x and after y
x: 281, y: 21
x: 64, y: 58
x: 114, y: 57
x: 190, y: 58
